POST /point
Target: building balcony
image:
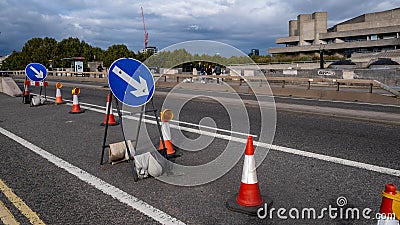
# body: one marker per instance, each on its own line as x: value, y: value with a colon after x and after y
x: 362, y: 32
x: 336, y: 46
x: 284, y: 40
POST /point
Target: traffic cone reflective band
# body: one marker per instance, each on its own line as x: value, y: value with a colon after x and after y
x: 166, y: 115
x: 166, y: 132
x: 390, y: 206
x: 76, y: 108
x: 110, y: 116
x: 249, y: 192
x: 58, y: 93
x: 249, y: 198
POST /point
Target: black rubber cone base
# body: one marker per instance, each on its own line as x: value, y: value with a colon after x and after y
x: 82, y: 111
x: 163, y: 152
x: 110, y: 124
x: 26, y: 99
x: 174, y: 155
x: 232, y: 205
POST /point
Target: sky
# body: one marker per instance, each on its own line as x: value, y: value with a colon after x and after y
x: 244, y: 24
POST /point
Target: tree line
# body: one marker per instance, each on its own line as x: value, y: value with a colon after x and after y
x: 50, y: 53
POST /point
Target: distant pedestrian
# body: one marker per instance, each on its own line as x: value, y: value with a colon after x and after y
x: 100, y: 68
x: 217, y: 71
x: 209, y: 70
x: 199, y: 68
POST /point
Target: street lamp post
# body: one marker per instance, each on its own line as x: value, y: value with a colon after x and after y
x: 321, y: 56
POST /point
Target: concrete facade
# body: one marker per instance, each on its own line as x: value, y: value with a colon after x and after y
x: 372, y: 32
x: 2, y: 58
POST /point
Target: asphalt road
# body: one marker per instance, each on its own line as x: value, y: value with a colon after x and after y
x: 291, y: 180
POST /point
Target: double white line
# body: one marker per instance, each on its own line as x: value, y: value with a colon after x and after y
x: 228, y: 137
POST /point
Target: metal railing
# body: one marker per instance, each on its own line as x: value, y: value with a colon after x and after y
x: 58, y: 73
x: 232, y: 79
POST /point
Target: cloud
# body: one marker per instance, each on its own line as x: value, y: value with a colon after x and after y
x: 243, y: 24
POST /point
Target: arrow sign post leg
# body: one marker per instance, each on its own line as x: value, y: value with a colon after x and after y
x: 131, y: 157
x: 105, y: 131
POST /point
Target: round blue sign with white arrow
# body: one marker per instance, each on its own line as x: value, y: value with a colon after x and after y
x: 131, y: 82
x: 36, y: 71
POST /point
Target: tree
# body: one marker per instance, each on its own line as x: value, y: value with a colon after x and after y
x: 115, y: 52
x: 67, y: 48
x: 39, y: 50
x: 16, y: 61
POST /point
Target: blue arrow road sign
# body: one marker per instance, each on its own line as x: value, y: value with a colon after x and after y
x: 36, y: 71
x: 131, y: 81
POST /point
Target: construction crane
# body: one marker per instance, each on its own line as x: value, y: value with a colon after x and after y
x: 146, y: 35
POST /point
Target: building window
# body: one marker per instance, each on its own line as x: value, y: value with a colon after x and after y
x: 374, y: 37
x: 355, y: 39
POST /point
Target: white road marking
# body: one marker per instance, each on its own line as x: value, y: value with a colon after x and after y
x: 207, y: 127
x: 326, y: 158
x: 173, y: 121
x: 338, y: 101
x: 327, y: 100
x: 322, y: 157
x: 96, y: 182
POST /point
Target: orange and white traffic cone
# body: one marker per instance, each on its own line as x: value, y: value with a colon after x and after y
x: 166, y: 116
x: 76, y: 108
x: 249, y: 199
x: 390, y: 206
x: 26, y: 99
x: 110, y: 116
x: 58, y: 93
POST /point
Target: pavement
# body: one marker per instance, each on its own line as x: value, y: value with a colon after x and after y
x: 315, y: 159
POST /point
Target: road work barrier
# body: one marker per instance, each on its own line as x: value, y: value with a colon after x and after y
x: 59, y: 99
x: 390, y: 206
x: 9, y: 87
x: 249, y: 199
x: 109, y: 116
x: 76, y: 108
x: 37, y: 100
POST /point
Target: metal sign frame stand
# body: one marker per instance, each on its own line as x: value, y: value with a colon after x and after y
x: 45, y: 92
x: 24, y: 100
x: 131, y: 158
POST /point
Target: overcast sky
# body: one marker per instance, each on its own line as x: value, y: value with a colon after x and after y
x: 244, y: 24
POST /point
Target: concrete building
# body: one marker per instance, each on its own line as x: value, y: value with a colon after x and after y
x: 2, y: 58
x: 371, y: 32
x: 151, y: 49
